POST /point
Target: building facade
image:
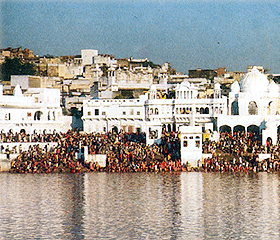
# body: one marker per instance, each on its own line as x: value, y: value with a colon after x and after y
x: 253, y: 106
x: 38, y: 110
x: 155, y: 112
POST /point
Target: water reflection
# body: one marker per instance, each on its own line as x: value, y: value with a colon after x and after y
x: 132, y: 206
x: 140, y: 206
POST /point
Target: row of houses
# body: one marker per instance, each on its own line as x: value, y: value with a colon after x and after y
x: 104, y: 76
x: 252, y: 105
x: 163, y: 106
x: 138, y: 95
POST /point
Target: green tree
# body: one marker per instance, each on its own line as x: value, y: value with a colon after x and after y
x: 15, y: 66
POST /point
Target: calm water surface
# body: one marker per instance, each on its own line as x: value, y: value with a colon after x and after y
x: 140, y: 206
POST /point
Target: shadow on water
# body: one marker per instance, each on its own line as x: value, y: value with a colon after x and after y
x: 74, y: 207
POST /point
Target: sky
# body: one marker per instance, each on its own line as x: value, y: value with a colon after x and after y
x: 188, y: 34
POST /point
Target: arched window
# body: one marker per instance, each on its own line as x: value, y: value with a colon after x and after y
x: 269, y: 141
x: 253, y: 108
x: 225, y: 128
x: 169, y: 128
x: 234, y: 108
x: 37, y: 115
x: 269, y: 108
x: 253, y: 129
x: 239, y: 128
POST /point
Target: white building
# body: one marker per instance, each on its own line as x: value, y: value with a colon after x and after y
x: 153, y: 112
x: 191, y: 145
x: 253, y: 106
x: 88, y: 56
x: 105, y: 115
x: 38, y: 109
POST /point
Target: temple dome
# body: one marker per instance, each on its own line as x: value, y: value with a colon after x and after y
x: 153, y: 88
x: 254, y: 82
x: 273, y: 88
x: 186, y: 84
x: 235, y: 88
x: 17, y: 91
x: 217, y: 86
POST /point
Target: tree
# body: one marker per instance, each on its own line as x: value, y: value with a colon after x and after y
x: 15, y: 66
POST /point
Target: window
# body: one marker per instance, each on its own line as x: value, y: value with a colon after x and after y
x: 37, y: 115
x: 124, y: 113
x: 103, y: 113
x: 96, y: 112
x: 185, y: 143
x: 197, y: 143
x: 138, y: 113
x: 8, y: 116
x: 89, y: 113
x: 252, y: 108
x: 234, y: 108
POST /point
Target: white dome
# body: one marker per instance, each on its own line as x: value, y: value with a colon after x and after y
x: 185, y: 84
x: 254, y: 82
x: 17, y: 91
x: 153, y: 88
x: 217, y: 86
x: 235, y: 88
x: 273, y: 88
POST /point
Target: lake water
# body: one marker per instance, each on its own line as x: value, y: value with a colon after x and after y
x: 140, y: 206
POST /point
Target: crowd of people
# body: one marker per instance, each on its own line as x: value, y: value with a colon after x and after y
x: 125, y: 153
x: 128, y: 152
x: 240, y: 152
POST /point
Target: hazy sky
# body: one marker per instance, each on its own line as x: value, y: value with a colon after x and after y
x: 188, y: 34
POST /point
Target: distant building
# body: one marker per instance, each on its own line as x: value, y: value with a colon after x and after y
x: 88, y: 56
x: 202, y: 73
x: 27, y: 81
x: 17, y: 53
x: 37, y: 110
